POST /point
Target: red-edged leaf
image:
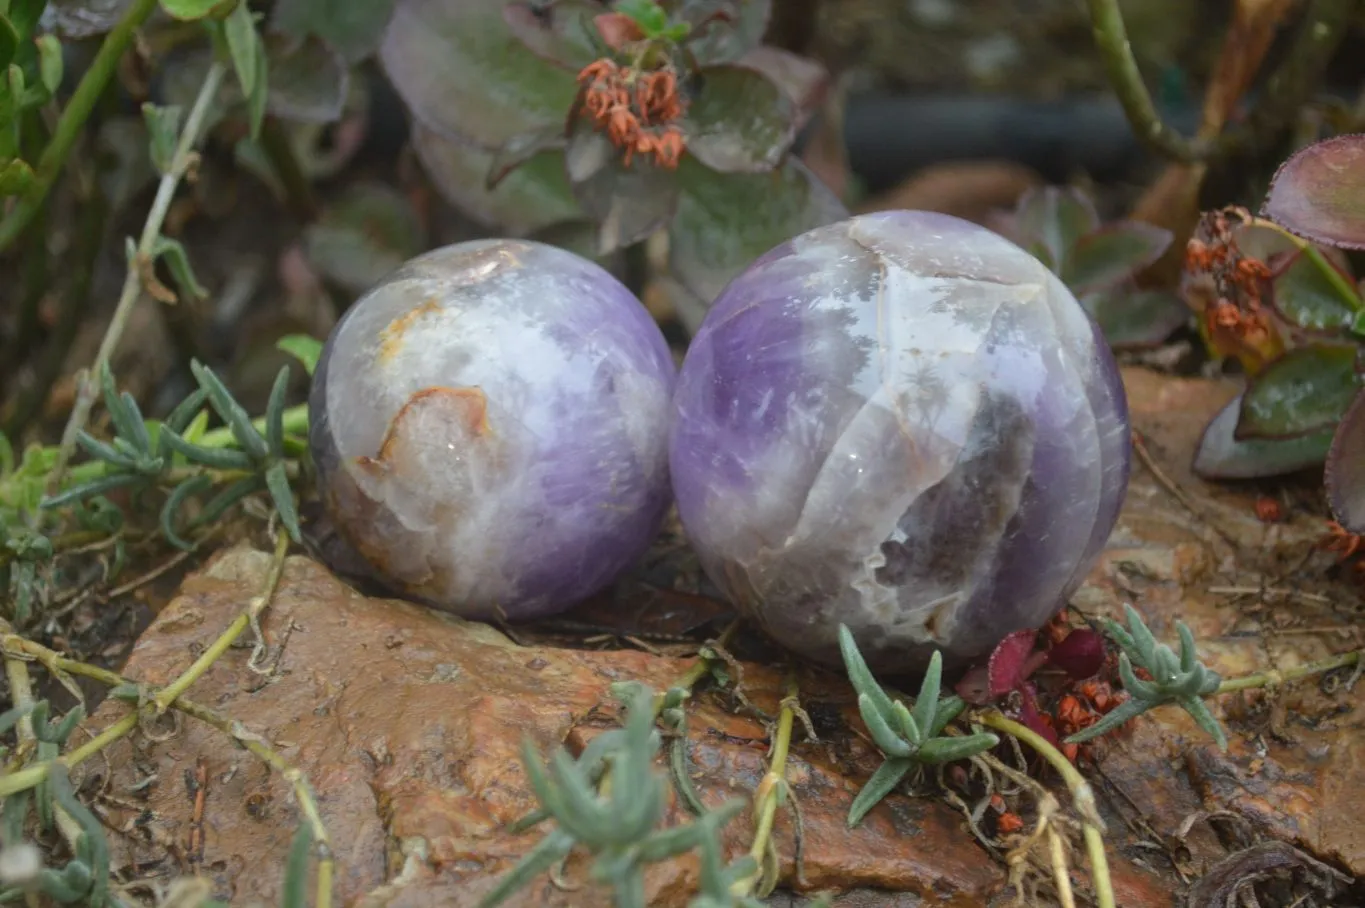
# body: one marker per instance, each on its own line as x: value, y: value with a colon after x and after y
x: 802, y: 79
x: 561, y: 33
x: 1009, y: 665
x: 1319, y: 193
x: 530, y: 197
x: 725, y: 221
x: 628, y: 202
x: 1314, y: 293
x: 1304, y: 391
x: 1136, y: 319
x: 740, y: 121
x: 463, y: 73
x: 725, y: 30
x: 1080, y: 654
x: 1345, y: 475
x: 617, y: 29
x: 1049, y: 220
x: 1113, y: 254
x: 1221, y: 456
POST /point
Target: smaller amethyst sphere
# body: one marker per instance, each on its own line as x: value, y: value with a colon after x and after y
x: 490, y: 429
x: 901, y: 422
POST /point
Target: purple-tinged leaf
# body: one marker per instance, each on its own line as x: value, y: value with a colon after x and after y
x: 533, y: 196
x: 975, y: 685
x: 364, y: 234
x: 517, y: 150
x: 628, y: 202
x: 1080, y: 654
x: 309, y: 80
x: 561, y: 33
x: 352, y: 29
x: 725, y: 30
x: 1222, y: 456
x: 1049, y: 220
x: 1304, y: 391
x: 1136, y: 319
x: 725, y: 221
x: 1319, y: 192
x: 1345, y: 473
x: 740, y: 121
x: 1112, y: 254
x: 802, y: 79
x: 1315, y: 294
x: 463, y: 73
x: 1012, y: 662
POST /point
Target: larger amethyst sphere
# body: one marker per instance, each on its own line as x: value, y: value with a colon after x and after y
x: 490, y: 428
x: 901, y: 422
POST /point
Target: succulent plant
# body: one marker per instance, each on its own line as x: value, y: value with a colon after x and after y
x: 621, y: 118
x: 490, y: 428
x: 1099, y: 262
x: 905, y: 423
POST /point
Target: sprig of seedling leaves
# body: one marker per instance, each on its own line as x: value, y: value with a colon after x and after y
x: 135, y: 459
x: 1181, y: 679
x: 609, y: 802
x: 907, y: 737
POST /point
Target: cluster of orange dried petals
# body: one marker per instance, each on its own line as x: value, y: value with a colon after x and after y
x: 637, y: 109
x: 1237, y: 313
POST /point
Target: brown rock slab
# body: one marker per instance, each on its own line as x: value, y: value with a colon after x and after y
x: 408, y: 724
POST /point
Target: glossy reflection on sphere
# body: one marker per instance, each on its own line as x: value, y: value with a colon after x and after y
x: 490, y: 428
x: 905, y: 423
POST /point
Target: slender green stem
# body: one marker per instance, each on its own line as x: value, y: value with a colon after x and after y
x: 132, y: 283
x: 1111, y: 37
x: 72, y: 120
x: 168, y: 694
x: 1321, y: 30
x: 1081, y: 794
x: 15, y: 646
x: 1275, y: 678
x: 770, y: 792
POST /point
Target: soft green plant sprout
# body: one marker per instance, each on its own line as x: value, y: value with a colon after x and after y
x: 906, y: 737
x: 1181, y: 679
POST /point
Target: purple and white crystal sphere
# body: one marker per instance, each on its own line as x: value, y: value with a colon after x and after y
x: 490, y: 428
x: 905, y: 423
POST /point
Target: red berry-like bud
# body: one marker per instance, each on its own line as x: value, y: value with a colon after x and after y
x: 1080, y: 655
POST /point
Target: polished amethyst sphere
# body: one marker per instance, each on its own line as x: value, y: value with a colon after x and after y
x: 905, y: 423
x: 490, y: 428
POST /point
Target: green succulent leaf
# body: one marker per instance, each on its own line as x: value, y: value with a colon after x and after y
x: 878, y: 786
x: 1136, y: 319
x: 1223, y: 456
x: 532, y: 196
x: 163, y: 131
x: 190, y: 10
x: 725, y: 221
x: 628, y: 202
x: 1308, y: 294
x: 353, y: 29
x: 1050, y: 220
x: 723, y: 31
x: 561, y: 33
x: 1113, y: 254
x: 1319, y: 193
x: 1345, y: 473
x: 362, y: 235
x: 466, y: 75
x: 1306, y: 390
x: 304, y: 348
x: 740, y: 121
x: 15, y: 178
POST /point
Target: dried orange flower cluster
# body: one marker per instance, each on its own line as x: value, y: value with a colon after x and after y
x: 637, y: 109
x: 1236, y: 312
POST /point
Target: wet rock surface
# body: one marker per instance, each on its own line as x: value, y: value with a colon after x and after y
x: 408, y: 725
